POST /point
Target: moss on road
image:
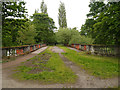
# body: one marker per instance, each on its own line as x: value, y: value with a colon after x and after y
x: 103, y: 67
x: 47, y: 67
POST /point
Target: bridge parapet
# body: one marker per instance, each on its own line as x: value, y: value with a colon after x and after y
x: 20, y: 50
x: 107, y: 50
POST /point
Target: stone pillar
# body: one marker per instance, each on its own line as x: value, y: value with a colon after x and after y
x: 80, y: 47
x: 28, y: 48
x: 15, y: 52
x: 92, y: 49
x: 8, y: 52
x: 87, y: 47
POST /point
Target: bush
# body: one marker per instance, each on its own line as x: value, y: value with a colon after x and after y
x: 70, y: 36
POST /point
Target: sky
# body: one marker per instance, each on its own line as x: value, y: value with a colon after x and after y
x: 76, y: 10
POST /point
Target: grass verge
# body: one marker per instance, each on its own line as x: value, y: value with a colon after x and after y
x: 99, y: 66
x: 47, y: 67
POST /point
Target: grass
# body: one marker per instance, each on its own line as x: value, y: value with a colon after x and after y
x: 52, y: 71
x: 99, y: 66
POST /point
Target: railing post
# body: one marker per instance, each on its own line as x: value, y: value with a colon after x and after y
x: 92, y: 49
x: 28, y: 48
x: 87, y: 47
x: 15, y: 52
x: 8, y: 52
x: 82, y: 47
x: 79, y: 46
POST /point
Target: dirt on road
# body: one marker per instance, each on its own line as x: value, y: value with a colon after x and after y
x: 84, y: 80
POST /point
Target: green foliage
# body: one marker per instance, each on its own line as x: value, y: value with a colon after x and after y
x: 81, y: 39
x: 43, y: 7
x: 70, y: 36
x: 10, y: 31
x: 44, y: 26
x: 13, y: 9
x: 57, y: 73
x: 103, y: 23
x: 63, y: 35
x: 27, y: 34
x: 103, y: 67
x: 11, y: 26
x: 17, y: 29
x: 62, y: 16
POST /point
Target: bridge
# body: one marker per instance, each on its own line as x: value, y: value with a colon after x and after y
x: 18, y: 55
x: 105, y: 50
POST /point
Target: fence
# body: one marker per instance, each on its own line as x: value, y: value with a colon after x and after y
x: 108, y: 50
x: 20, y: 50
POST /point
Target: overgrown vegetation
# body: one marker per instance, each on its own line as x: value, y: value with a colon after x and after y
x: 103, y: 67
x: 10, y: 25
x: 47, y: 67
x: 44, y: 26
x: 103, y: 22
x: 70, y: 36
x: 20, y: 30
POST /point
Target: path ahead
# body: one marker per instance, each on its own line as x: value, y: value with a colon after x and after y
x: 84, y: 80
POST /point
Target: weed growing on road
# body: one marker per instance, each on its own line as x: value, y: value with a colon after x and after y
x: 103, y: 67
x: 47, y: 67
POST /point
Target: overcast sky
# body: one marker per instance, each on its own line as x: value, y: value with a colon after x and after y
x: 76, y: 10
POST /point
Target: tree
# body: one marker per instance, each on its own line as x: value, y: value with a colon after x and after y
x: 108, y: 25
x: 63, y: 35
x: 71, y: 36
x: 44, y: 26
x: 13, y: 9
x: 36, y: 11
x: 27, y: 34
x: 10, y: 31
x: 103, y: 23
x: 96, y: 8
x: 43, y: 7
x: 87, y: 28
x: 62, y: 16
x: 11, y: 26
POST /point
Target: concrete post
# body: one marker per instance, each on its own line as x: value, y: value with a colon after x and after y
x: 92, y: 49
x: 8, y: 53
x: 79, y: 46
x: 15, y: 52
x: 87, y: 47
